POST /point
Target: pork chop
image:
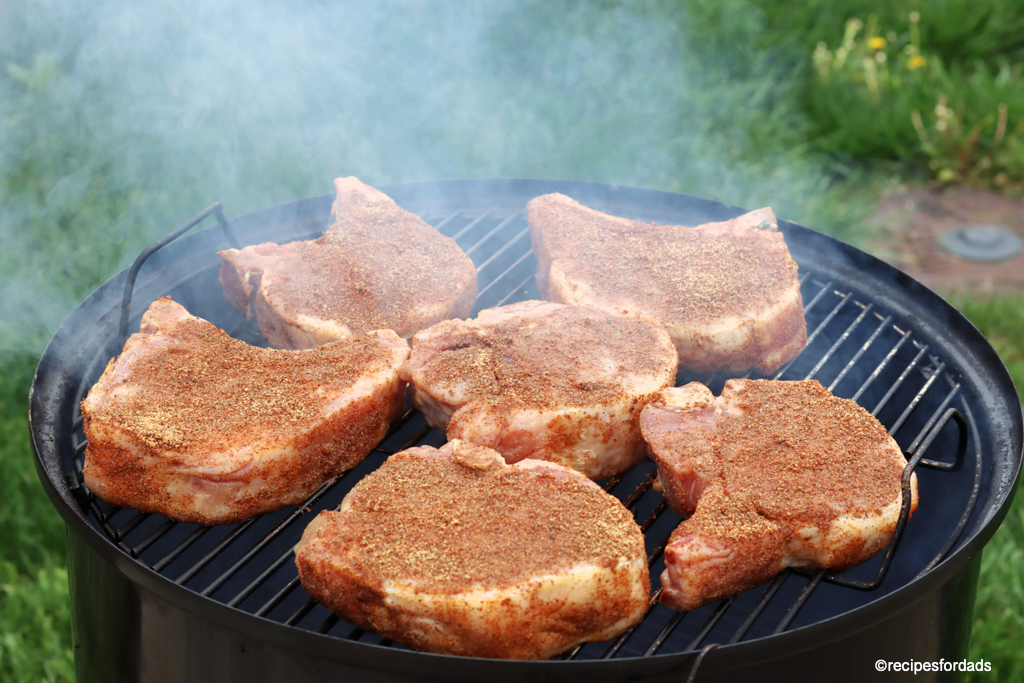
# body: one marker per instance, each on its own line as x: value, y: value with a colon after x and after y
x: 775, y: 475
x: 454, y: 551
x: 542, y: 380
x: 727, y: 293
x: 378, y: 267
x: 194, y: 425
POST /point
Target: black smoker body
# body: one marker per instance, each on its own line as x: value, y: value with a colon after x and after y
x: 157, y: 600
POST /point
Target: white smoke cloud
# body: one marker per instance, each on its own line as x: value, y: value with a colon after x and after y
x: 121, y: 120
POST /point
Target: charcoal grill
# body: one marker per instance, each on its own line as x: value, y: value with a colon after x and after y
x: 154, y: 599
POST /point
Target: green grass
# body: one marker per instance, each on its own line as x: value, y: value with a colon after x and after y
x: 942, y: 89
x: 35, y: 619
x: 1001, y: 319
x: 35, y: 643
x: 962, y: 32
x: 26, y: 513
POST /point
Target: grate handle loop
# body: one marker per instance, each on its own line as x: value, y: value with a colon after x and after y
x: 697, y: 662
x: 915, y: 457
x: 129, y: 285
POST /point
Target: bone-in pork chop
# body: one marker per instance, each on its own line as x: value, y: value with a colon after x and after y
x: 542, y: 380
x: 194, y: 425
x: 378, y: 267
x: 727, y: 293
x: 775, y: 475
x: 454, y: 551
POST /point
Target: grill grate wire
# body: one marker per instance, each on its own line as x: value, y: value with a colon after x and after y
x: 494, y: 240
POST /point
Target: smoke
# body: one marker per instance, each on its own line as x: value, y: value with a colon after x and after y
x: 121, y: 120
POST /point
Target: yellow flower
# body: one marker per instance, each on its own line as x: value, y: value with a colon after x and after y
x: 915, y: 62
x: 876, y: 43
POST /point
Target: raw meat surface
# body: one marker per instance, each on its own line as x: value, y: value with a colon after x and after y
x: 771, y: 475
x: 378, y: 267
x: 453, y: 551
x: 727, y: 293
x: 542, y: 380
x: 194, y: 425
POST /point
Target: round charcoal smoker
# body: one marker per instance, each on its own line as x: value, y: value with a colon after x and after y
x: 155, y: 599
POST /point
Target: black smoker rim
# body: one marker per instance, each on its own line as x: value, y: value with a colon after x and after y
x: 847, y: 264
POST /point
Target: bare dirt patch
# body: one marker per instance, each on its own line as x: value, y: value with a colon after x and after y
x: 910, y: 223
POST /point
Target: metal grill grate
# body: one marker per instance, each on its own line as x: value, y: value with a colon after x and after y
x: 854, y: 348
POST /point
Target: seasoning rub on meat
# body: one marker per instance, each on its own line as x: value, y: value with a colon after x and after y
x: 727, y: 293
x: 453, y: 551
x: 194, y: 425
x: 542, y: 380
x: 770, y: 475
x: 378, y: 267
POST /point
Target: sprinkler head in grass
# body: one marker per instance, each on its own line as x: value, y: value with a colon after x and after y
x: 986, y: 243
